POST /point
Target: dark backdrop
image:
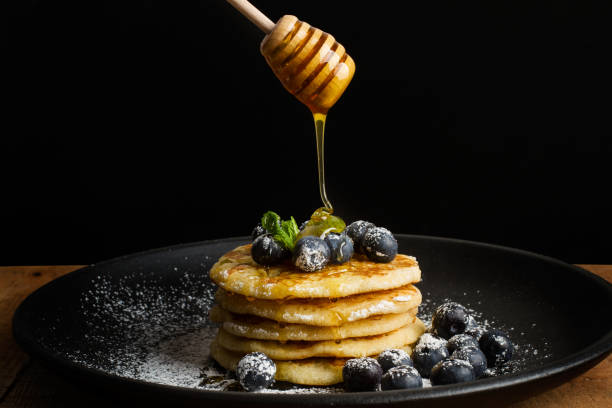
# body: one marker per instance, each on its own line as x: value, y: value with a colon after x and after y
x: 133, y: 125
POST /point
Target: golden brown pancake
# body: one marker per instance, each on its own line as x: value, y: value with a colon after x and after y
x: 310, y: 371
x: 254, y: 327
x: 297, y: 350
x: 322, y: 311
x: 237, y: 272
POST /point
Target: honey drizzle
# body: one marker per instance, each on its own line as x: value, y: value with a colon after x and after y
x: 319, y: 119
x: 285, y: 70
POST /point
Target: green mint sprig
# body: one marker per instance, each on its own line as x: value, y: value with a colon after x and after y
x: 284, y: 232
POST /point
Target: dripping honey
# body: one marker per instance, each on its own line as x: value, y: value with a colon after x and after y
x: 319, y: 119
x: 314, y: 68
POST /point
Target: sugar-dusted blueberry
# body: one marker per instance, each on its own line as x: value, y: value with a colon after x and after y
x: 255, y: 371
x: 400, y: 378
x: 356, y: 230
x: 461, y: 340
x: 361, y: 374
x: 449, y: 319
x: 257, y: 231
x: 393, y: 358
x: 452, y: 371
x: 311, y: 254
x: 476, y: 332
x: 497, y: 347
x: 474, y: 356
x: 267, y: 251
x: 379, y: 245
x: 428, y: 352
x: 471, y: 323
x: 340, y: 247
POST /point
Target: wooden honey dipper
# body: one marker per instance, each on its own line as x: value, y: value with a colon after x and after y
x: 309, y: 62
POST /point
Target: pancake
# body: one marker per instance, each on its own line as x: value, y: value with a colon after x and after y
x: 297, y: 350
x: 310, y: 371
x: 237, y: 272
x: 321, y: 311
x: 254, y: 327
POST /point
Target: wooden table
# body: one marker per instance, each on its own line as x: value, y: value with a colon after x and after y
x: 25, y: 383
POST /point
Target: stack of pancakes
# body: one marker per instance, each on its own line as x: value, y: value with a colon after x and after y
x: 311, y: 323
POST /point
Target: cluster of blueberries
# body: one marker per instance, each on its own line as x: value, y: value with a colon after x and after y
x: 455, y: 350
x: 312, y: 253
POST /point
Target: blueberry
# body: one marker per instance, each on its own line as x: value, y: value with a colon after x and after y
x: 452, y: 371
x: 340, y: 247
x: 474, y: 356
x: 356, y: 231
x: 260, y: 230
x: 401, y: 377
x: 476, y: 332
x: 393, y: 358
x: 257, y: 231
x: 449, y: 319
x: 361, y: 374
x: 461, y: 340
x: 256, y: 371
x: 429, y: 351
x: 379, y: 245
x: 267, y: 251
x: 497, y: 347
x: 311, y: 254
x: 471, y: 323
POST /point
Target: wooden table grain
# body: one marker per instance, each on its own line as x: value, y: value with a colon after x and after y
x: 25, y: 383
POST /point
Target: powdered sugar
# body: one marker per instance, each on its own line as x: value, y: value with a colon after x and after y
x: 360, y: 364
x: 310, y: 255
x: 180, y: 361
x: 401, y: 371
x: 296, y: 389
x: 374, y: 309
x: 525, y: 354
x: 257, y: 363
x: 154, y: 329
x: 139, y: 327
x: 393, y: 358
x: 373, y: 236
x: 429, y: 342
x: 456, y: 362
x: 403, y: 298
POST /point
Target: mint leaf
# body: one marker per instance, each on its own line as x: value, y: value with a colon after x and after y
x: 270, y: 221
x: 290, y: 231
x: 283, y: 232
x: 291, y: 227
x: 284, y: 239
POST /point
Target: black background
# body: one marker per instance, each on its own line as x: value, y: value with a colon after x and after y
x: 135, y: 125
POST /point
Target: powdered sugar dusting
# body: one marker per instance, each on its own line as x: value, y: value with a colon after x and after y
x: 255, y: 362
x: 377, y: 308
x: 429, y: 342
x: 139, y: 327
x: 395, y: 357
x: 359, y: 364
x: 156, y: 329
x: 310, y: 258
x: 458, y: 362
x: 525, y: 354
x: 180, y: 361
x: 403, y: 298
